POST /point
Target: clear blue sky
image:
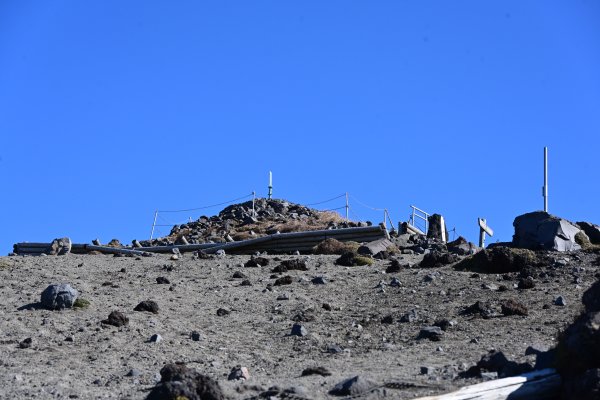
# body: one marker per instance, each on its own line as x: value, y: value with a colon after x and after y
x: 110, y: 110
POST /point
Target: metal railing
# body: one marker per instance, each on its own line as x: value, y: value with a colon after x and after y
x: 417, y: 213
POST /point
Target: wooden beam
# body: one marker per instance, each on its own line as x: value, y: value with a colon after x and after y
x: 541, y: 384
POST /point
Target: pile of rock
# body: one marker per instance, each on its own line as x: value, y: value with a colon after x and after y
x: 241, y: 221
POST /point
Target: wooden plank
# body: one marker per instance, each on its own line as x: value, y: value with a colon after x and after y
x: 541, y: 384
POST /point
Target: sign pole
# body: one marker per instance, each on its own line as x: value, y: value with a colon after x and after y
x: 545, y: 188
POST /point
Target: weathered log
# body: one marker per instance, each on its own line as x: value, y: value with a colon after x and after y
x: 541, y: 384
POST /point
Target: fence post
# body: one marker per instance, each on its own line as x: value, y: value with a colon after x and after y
x: 253, y: 199
x: 153, y: 224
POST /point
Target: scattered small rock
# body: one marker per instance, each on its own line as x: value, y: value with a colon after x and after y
x: 156, y: 338
x: 222, y: 312
x: 161, y: 280
x: 352, y: 387
x: 116, y: 318
x: 147, y: 305
x: 25, y: 343
x: 285, y: 280
x: 560, y: 301
x: 238, y: 373
x: 433, y: 333
x: 195, y: 336
x: 513, y: 307
x: 316, y: 371
x: 298, y: 330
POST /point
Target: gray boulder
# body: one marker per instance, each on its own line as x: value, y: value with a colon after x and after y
x: 59, y: 296
x: 542, y: 231
x: 60, y: 247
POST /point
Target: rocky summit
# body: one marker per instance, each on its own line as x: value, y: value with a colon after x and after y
x: 241, y: 221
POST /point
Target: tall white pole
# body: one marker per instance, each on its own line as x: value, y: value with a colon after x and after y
x: 347, y: 207
x: 545, y: 188
x: 270, y: 184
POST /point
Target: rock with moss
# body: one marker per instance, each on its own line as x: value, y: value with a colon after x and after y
x: 499, y: 260
x: 352, y: 259
x: 81, y: 303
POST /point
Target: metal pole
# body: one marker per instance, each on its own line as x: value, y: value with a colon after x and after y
x: 253, y: 199
x: 270, y: 185
x: 412, y: 218
x: 153, y: 224
x: 384, y: 217
x: 545, y: 188
x: 347, y: 207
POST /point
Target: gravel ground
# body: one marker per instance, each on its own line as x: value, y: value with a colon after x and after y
x: 74, y: 355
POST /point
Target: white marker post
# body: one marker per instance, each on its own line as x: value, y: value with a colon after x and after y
x: 545, y: 187
x: 270, y: 185
x: 483, y: 229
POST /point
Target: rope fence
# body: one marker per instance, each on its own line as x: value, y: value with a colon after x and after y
x: 160, y: 220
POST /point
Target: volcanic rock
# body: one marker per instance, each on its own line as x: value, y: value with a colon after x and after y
x: 147, y: 305
x: 542, y: 231
x: 58, y: 296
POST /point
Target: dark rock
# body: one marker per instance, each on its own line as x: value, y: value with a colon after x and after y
x: 560, y: 301
x: 351, y: 259
x: 239, y: 275
x: 433, y: 333
x: 238, y: 373
x: 434, y: 229
x: 285, y: 280
x: 178, y: 382
x: 541, y: 231
x: 255, y: 262
x: 147, y: 305
x: 526, y: 283
x: 462, y: 247
x: 436, y: 259
x: 334, y: 349
x: 116, y: 318
x: 496, y: 361
x: 58, y: 296
x: 393, y: 267
x: 585, y: 386
x: 591, y: 298
x: 591, y: 230
x: 353, y: 387
x: 246, y: 282
x: 316, y: 371
x: 512, y: 307
x: 161, y: 280
x: 298, y: 330
x: 319, y: 280
x: 579, y: 346
x: 195, y: 336
x: 155, y: 338
x: 326, y: 306
x: 395, y: 282
x: 444, y: 324
x: 25, y: 343
x: 222, y: 312
x: 290, y: 265
x: 410, y: 316
x: 479, y: 308
x: 388, y: 319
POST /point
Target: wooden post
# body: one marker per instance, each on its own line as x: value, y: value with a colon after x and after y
x: 153, y: 224
x: 483, y: 229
